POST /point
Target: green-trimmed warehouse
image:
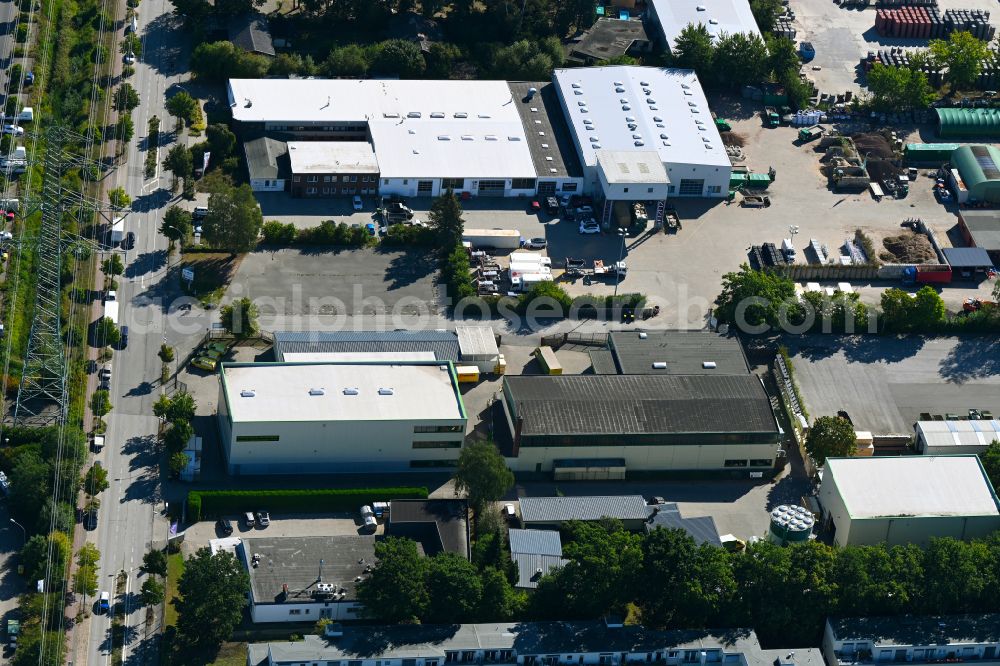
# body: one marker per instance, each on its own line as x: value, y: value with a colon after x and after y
x: 979, y: 167
x: 968, y: 122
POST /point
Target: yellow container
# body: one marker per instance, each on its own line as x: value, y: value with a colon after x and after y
x: 467, y: 374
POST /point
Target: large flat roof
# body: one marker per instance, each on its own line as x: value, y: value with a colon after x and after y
x: 640, y: 404
x: 632, y: 166
x: 332, y: 157
x: 429, y: 129
x: 288, y: 392
x: 913, y: 486
x: 561, y: 509
x: 983, y: 226
x: 718, y: 16
x: 683, y: 352
x: 444, y: 344
x: 295, y: 561
x: 524, y: 638
x: 641, y: 108
x: 439, y: 524
x: 918, y: 629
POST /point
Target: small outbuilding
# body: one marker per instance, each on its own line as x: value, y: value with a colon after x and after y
x: 981, y: 228
x: 968, y: 262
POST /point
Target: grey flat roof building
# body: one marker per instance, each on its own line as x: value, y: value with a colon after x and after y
x: 967, y: 257
x: 609, y: 38
x: 636, y: 405
x: 515, y: 643
x: 702, y: 528
x: 552, y: 510
x: 918, y: 630
x: 674, y: 353
x: 438, y: 525
x: 295, y: 562
x: 444, y: 344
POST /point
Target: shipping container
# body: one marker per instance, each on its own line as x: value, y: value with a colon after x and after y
x: 933, y: 275
x: 467, y: 374
x: 547, y: 360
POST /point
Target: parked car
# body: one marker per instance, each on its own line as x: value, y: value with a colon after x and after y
x: 90, y: 520
x: 537, y: 244
x: 124, y: 340
x: 369, y: 524
x: 509, y: 512
x: 200, y: 212
x: 129, y: 59
x: 104, y: 602
x: 104, y: 373
x: 535, y: 206
x: 91, y: 366
x: 204, y: 363
x: 370, y: 228
x: 590, y: 227
x: 357, y: 202
x: 15, y: 130
x: 551, y: 205
x: 248, y: 519
x: 224, y: 525
x: 263, y: 519
x: 129, y: 240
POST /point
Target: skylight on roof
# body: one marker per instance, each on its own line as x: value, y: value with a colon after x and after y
x: 461, y: 114
x: 437, y: 114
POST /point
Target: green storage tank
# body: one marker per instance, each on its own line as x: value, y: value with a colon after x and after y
x: 968, y: 122
x: 928, y: 154
x: 979, y: 167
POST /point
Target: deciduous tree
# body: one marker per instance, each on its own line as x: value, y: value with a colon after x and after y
x: 126, y: 98
x: 176, y: 224
x: 962, y: 55
x: 482, y: 473
x: 213, y: 591
x: 240, y: 318
x: 85, y: 577
x: 396, y: 591
x: 831, y: 436
x: 234, y: 220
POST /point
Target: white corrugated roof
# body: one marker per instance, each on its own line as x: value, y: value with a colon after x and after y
x: 332, y: 157
x: 912, y: 486
x: 428, y: 129
x: 265, y: 392
x: 959, y: 433
x: 718, y: 16
x: 627, y: 108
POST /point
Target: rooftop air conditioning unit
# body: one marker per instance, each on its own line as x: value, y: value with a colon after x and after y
x: 248, y: 393
x: 659, y: 365
x: 317, y: 391
x: 708, y: 365
x: 350, y: 391
x: 385, y: 391
x: 643, y: 335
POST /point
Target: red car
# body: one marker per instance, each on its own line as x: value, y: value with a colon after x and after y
x: 535, y: 206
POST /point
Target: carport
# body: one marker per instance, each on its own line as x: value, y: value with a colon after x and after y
x: 968, y: 261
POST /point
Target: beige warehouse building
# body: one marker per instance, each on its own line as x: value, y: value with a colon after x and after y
x: 909, y: 499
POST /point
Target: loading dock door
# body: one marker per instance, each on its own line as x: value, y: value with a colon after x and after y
x: 492, y: 188
x: 546, y: 188
x: 691, y: 187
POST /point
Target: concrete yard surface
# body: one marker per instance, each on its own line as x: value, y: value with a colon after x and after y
x: 885, y: 383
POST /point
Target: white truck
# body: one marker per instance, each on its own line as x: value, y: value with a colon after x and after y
x: 15, y: 162
x: 504, y: 239
x: 525, y: 281
x: 111, y: 311
x: 118, y: 231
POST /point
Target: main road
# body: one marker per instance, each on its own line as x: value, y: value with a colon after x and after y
x: 131, y: 517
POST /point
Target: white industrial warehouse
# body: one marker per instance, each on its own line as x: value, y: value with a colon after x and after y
x: 907, y: 499
x: 312, y: 418
x: 670, y: 17
x: 949, y: 437
x: 659, y: 113
x: 639, y: 133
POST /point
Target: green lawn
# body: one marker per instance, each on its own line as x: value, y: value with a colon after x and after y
x: 175, y: 567
x: 231, y: 654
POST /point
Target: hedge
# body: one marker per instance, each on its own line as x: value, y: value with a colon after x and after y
x: 319, y: 500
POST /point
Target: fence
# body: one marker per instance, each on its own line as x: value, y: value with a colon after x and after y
x: 832, y: 272
x: 790, y: 403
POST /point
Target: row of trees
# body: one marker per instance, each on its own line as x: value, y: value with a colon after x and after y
x: 666, y: 581
x: 177, y: 413
x: 733, y: 61
x: 759, y: 301
x: 895, y: 89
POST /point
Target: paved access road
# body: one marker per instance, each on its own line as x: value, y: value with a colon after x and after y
x: 131, y: 517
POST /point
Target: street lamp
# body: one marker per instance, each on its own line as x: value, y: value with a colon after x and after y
x: 24, y: 533
x: 621, y: 257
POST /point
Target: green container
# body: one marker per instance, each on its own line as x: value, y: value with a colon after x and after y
x: 759, y: 181
x: 737, y: 180
x: 933, y: 154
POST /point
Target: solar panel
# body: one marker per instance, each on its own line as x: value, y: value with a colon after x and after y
x: 986, y: 163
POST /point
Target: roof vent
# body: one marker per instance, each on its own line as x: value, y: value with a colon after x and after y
x: 317, y: 391
x: 639, y: 143
x: 659, y: 365
x: 630, y: 119
x: 701, y: 8
x: 444, y: 137
x: 619, y: 83
x: 619, y: 90
x: 596, y: 146
x: 413, y: 114
x: 623, y: 100
x: 650, y: 100
x: 654, y: 108
x: 664, y: 136
x: 588, y: 121
x: 437, y: 114
x: 385, y: 391
x: 491, y: 137
x: 581, y: 103
x: 708, y: 365
x: 577, y: 92
x: 643, y: 83
x: 545, y: 145
x: 647, y: 91
x: 483, y: 115
x: 553, y: 170
x: 685, y: 86
x: 350, y: 391
x: 513, y: 138
x: 390, y: 114
x: 466, y: 137
x: 247, y: 393
x: 594, y: 139
x: 576, y: 85
x: 461, y: 114
x: 643, y: 335
x: 658, y: 119
x: 713, y: 22
x: 626, y: 107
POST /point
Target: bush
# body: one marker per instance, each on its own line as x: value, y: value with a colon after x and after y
x: 210, y: 503
x: 276, y: 233
x: 332, y: 233
x: 408, y: 235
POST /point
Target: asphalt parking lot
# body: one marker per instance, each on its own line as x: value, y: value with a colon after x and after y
x: 293, y: 525
x: 884, y: 384
x: 842, y: 37
x: 298, y: 286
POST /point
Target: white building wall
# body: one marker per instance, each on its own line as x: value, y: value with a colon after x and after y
x: 407, y: 187
x: 634, y: 191
x: 263, y: 185
x: 335, y: 447
x: 834, y: 509
x: 308, y: 612
x: 641, y: 458
x: 714, y: 176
